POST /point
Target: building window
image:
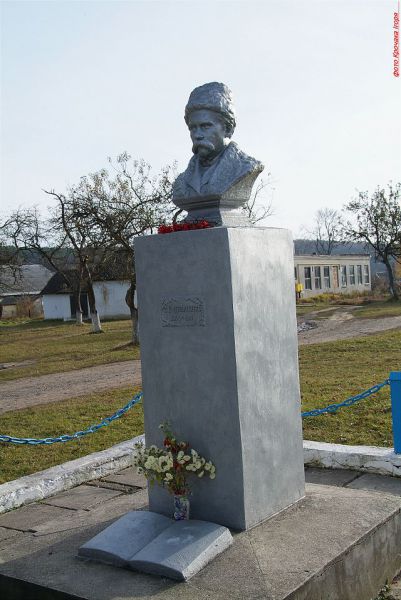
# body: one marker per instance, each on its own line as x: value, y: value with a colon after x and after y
x: 366, y: 278
x: 343, y: 276
x: 308, y: 278
x: 326, y: 276
x: 295, y: 273
x: 318, y: 279
x: 359, y: 274
x: 352, y: 275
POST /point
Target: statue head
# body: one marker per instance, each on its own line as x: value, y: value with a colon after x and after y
x: 210, y: 117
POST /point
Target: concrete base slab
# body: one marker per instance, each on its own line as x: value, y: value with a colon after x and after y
x: 153, y: 543
x: 83, y: 497
x: 44, y: 484
x: 106, y: 466
x: 338, y: 477
x: 336, y: 544
x: 378, y: 483
x: 128, y: 476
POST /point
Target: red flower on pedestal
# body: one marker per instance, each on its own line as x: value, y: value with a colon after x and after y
x: 184, y: 226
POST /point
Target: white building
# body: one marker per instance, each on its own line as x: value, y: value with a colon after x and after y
x: 20, y: 290
x: 59, y: 301
x: 333, y: 273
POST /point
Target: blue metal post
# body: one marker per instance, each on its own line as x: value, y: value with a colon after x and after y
x: 395, y: 387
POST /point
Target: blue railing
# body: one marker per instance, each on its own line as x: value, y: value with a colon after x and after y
x: 395, y: 387
x: 394, y: 381
x: 333, y: 408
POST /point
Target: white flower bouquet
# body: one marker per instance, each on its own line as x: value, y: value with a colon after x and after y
x: 171, y: 465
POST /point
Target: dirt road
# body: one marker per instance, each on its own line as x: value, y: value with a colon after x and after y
x: 30, y: 391
x: 342, y: 325
x: 44, y: 389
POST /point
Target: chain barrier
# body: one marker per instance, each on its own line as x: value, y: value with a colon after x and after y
x: 333, y: 408
x: 67, y: 438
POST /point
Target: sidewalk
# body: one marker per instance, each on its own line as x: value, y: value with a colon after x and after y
x: 39, y: 542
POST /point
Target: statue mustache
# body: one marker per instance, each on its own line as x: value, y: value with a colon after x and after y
x: 203, y: 144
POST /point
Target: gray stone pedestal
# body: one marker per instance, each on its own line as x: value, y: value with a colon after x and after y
x: 219, y: 361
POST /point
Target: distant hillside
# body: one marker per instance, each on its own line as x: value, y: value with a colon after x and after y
x: 309, y: 247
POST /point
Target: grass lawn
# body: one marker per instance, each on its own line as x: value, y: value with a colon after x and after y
x: 378, y: 310
x: 333, y: 371
x: 374, y: 309
x: 68, y: 416
x: 303, y: 309
x: 329, y: 373
x: 55, y: 346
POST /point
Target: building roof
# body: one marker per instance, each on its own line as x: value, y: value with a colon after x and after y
x: 59, y: 283
x: 25, y: 279
x: 330, y: 257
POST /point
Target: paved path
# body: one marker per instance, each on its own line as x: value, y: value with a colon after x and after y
x: 45, y: 389
x: 39, y: 543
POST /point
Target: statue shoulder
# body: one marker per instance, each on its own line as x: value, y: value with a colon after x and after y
x: 180, y: 184
x: 236, y: 155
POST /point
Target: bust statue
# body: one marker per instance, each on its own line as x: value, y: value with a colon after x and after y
x: 219, y: 177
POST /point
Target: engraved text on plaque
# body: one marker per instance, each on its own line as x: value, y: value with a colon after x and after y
x: 186, y: 311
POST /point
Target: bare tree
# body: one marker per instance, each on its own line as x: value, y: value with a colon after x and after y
x: 87, y: 244
x: 376, y: 220
x: 260, y: 206
x: 27, y: 230
x: 10, y: 264
x: 122, y: 206
x: 326, y: 231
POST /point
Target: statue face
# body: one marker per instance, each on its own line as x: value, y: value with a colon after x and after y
x: 208, y: 133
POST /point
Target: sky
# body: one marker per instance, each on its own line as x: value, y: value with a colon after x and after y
x: 313, y: 85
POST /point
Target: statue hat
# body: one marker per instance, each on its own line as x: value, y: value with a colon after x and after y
x: 211, y: 96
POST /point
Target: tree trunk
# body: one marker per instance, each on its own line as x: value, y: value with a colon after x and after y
x: 96, y: 325
x: 78, y: 317
x: 392, y: 286
x: 78, y: 307
x: 130, y: 300
x: 135, y: 326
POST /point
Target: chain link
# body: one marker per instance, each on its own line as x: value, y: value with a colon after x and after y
x: 333, y: 408
x: 78, y: 434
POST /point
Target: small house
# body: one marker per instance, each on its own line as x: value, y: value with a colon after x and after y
x: 20, y: 290
x: 59, y: 300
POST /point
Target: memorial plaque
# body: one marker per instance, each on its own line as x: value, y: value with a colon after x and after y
x: 183, y: 312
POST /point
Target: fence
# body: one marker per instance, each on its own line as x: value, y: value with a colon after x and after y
x: 394, y: 381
